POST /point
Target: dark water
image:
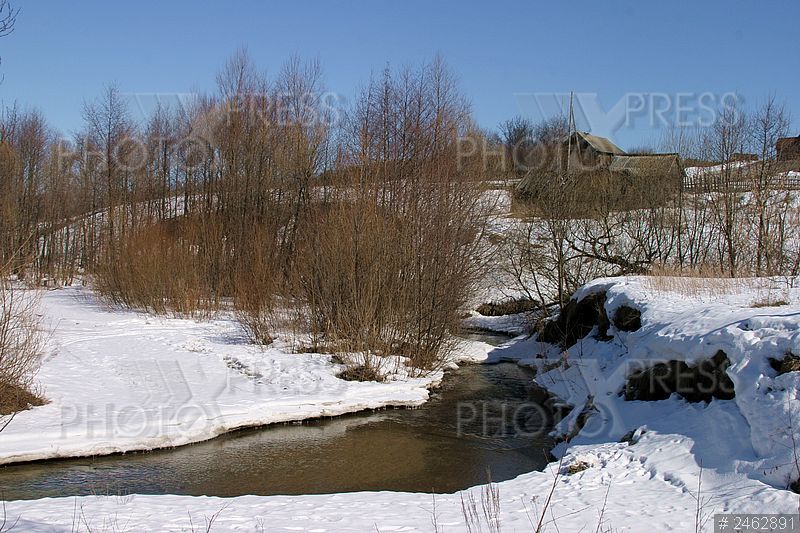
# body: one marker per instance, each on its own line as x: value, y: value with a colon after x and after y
x: 483, y: 417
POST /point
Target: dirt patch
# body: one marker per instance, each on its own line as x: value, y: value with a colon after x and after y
x: 703, y: 382
x: 576, y: 321
x: 768, y: 303
x: 627, y: 318
x: 14, y: 398
x: 580, y: 421
x: 632, y: 437
x: 789, y: 363
x: 576, y: 467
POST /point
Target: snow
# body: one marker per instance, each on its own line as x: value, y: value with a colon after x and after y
x: 120, y: 381
x: 750, y: 435
x: 734, y: 455
x: 698, y: 171
x: 515, y: 324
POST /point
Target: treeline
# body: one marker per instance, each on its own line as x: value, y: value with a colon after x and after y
x: 358, y: 227
x: 361, y: 228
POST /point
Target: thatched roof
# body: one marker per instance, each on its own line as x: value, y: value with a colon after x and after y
x: 788, y: 148
x: 647, y: 165
x: 599, y: 144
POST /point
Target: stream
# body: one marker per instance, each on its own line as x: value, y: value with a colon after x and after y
x: 486, y: 418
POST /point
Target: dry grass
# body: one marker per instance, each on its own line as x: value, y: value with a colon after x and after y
x: 692, y: 282
x: 768, y: 302
x: 14, y: 398
x: 709, y: 282
x: 484, y: 512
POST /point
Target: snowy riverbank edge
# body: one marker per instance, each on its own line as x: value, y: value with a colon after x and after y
x: 742, y: 444
x: 120, y: 381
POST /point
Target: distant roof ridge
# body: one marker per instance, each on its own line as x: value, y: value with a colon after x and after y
x: 650, y: 154
x: 601, y: 144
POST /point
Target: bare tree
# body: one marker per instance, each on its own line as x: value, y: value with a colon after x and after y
x: 8, y: 18
x: 726, y: 138
x: 109, y: 132
x: 769, y: 123
x: 518, y: 136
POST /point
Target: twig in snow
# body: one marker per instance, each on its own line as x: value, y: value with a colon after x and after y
x: 4, y: 525
x: 434, y: 516
x: 700, y: 519
x: 7, y: 422
x: 549, y: 499
x: 603, y: 510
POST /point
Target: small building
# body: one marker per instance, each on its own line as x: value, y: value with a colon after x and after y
x: 587, y: 151
x: 605, y: 167
x: 788, y: 148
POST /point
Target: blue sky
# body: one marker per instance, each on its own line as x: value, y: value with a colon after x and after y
x: 63, y: 53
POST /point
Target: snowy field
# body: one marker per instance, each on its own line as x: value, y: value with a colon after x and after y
x: 733, y: 455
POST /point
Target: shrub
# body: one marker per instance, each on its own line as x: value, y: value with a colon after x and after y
x: 383, y: 279
x: 257, y: 284
x: 163, y: 268
x: 361, y: 373
x: 20, y: 348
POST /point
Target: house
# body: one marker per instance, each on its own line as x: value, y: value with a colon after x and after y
x: 788, y: 148
x: 598, y: 162
x: 587, y: 151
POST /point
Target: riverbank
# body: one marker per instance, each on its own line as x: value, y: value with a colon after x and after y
x: 441, y: 446
x: 119, y: 381
x: 623, y: 484
x: 635, y: 464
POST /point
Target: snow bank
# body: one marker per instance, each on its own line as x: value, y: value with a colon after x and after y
x: 122, y: 381
x: 751, y: 435
x: 622, y: 481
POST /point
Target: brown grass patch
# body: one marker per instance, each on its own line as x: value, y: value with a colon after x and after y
x: 361, y: 373
x: 14, y: 398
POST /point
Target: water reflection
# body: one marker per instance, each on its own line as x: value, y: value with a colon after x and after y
x: 483, y: 417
